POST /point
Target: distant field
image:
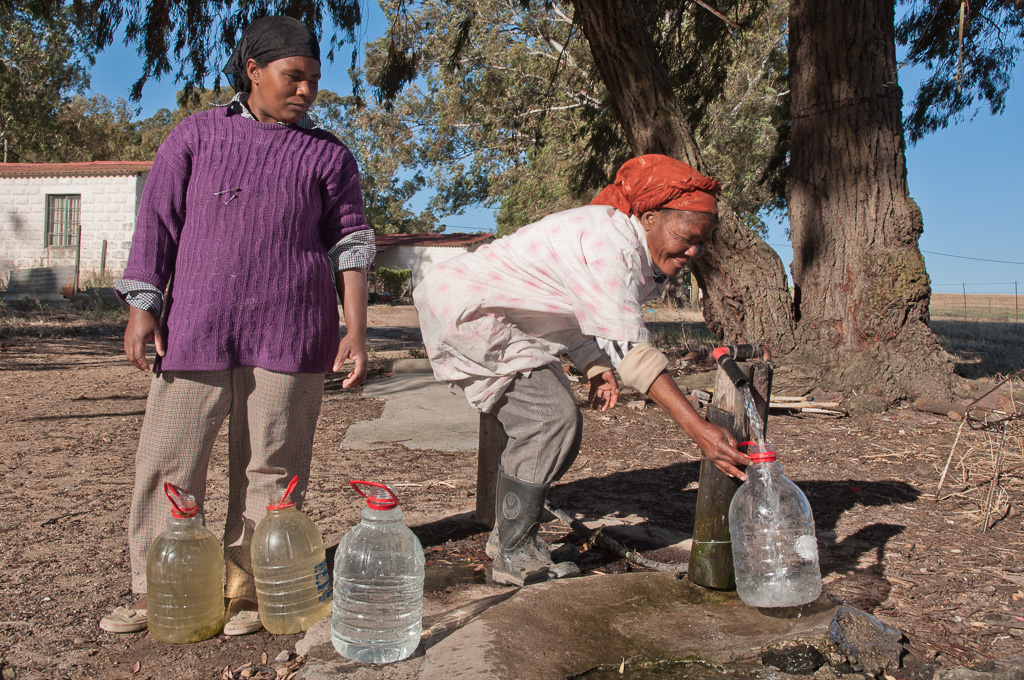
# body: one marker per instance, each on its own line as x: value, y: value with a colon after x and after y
x: 977, y: 307
x: 988, y: 339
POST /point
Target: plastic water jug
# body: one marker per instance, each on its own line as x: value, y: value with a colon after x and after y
x: 289, y: 566
x: 774, y: 550
x: 378, y: 583
x: 185, y: 576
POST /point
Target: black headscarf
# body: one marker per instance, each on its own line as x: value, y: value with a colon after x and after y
x: 268, y: 39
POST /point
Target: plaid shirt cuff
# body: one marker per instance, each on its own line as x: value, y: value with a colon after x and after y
x: 144, y: 296
x: 355, y: 251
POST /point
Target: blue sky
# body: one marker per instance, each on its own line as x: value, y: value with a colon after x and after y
x: 965, y: 178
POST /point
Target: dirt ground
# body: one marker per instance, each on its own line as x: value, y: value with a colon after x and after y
x: 71, y: 408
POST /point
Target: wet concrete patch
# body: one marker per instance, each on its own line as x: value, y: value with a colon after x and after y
x: 673, y: 670
x: 658, y: 624
x: 650, y: 625
x: 443, y: 576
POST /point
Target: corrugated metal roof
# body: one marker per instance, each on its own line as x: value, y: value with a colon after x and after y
x: 92, y: 169
x: 387, y: 241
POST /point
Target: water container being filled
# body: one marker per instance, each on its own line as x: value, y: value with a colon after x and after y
x: 289, y: 566
x: 378, y: 583
x: 775, y: 553
x: 185, y: 576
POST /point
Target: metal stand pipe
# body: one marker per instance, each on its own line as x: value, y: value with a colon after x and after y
x: 711, y: 554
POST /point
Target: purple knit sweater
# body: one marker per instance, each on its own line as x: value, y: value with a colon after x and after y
x: 244, y: 214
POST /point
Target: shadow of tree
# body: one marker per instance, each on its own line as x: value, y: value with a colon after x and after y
x: 98, y: 351
x: 658, y: 508
x: 982, y: 348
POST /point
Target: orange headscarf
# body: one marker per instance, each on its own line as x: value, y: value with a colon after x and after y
x: 653, y: 181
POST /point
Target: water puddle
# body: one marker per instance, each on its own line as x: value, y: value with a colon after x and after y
x: 443, y: 575
x: 819, y: 605
x: 795, y: 660
x: 672, y: 670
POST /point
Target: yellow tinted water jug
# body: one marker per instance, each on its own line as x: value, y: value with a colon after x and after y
x: 289, y: 565
x: 185, y: 576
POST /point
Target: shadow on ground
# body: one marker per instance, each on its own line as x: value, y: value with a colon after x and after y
x: 652, y: 511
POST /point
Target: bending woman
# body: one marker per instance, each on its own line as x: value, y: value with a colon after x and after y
x: 496, y: 320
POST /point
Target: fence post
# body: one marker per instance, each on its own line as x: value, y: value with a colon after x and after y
x: 964, y: 287
x: 78, y: 256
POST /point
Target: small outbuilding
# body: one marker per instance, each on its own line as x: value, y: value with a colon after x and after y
x: 77, y: 216
x: 419, y: 252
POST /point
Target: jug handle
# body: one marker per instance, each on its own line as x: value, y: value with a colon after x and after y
x: 391, y: 499
x: 287, y: 492
x: 174, y: 495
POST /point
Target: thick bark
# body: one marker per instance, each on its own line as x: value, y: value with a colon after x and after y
x: 861, y: 289
x: 746, y: 297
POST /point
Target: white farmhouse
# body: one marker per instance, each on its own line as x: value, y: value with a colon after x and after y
x: 419, y: 252
x: 69, y: 215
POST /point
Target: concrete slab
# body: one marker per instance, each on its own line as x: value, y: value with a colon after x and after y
x: 420, y: 413
x: 402, y: 366
x: 587, y: 627
x: 563, y: 629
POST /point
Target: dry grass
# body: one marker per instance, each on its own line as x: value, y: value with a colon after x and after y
x: 29, y: 318
x: 981, y: 331
x: 1003, y: 308
x: 677, y: 327
x: 982, y: 348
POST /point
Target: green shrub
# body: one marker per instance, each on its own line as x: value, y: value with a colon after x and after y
x: 393, y: 281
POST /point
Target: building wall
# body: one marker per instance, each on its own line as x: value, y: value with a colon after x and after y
x: 419, y: 258
x: 108, y: 207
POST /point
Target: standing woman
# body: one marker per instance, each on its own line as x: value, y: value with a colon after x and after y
x: 495, y: 322
x: 255, y: 217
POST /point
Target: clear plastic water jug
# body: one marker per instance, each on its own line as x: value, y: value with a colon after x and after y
x: 289, y: 566
x: 185, y: 576
x: 774, y: 550
x: 378, y: 583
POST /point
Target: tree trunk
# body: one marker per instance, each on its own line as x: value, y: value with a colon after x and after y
x: 861, y: 290
x: 746, y: 297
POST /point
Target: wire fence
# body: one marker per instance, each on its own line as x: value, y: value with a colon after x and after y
x: 996, y: 302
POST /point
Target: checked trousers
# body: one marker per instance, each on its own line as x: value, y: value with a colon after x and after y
x: 271, y: 420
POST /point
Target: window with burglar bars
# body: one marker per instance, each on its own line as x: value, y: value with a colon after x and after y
x: 63, y: 214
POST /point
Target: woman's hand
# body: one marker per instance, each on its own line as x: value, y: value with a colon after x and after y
x: 351, y: 285
x: 604, y: 391
x: 718, y: 444
x: 715, y: 442
x: 143, y: 328
x: 354, y: 349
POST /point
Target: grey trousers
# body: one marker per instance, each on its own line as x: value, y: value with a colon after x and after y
x: 538, y: 413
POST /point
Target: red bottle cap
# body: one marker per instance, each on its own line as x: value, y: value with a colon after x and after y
x: 183, y: 505
x: 385, y: 502
x: 286, y: 501
x: 759, y: 453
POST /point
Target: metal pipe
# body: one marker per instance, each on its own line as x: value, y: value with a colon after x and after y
x: 725, y: 361
x: 711, y: 554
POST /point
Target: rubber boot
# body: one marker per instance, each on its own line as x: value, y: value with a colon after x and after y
x: 493, y: 549
x: 521, y: 558
x: 565, y: 552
